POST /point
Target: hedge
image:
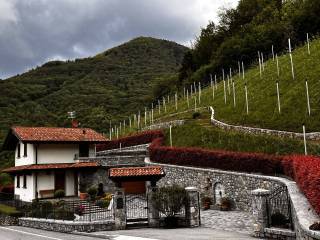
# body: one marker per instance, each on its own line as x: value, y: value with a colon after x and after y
x: 224, y: 160
x: 138, y: 139
x: 305, y: 170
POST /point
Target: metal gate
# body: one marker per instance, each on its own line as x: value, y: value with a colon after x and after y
x: 136, y: 207
x: 279, y: 208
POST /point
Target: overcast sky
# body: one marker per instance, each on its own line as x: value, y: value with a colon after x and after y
x: 35, y: 31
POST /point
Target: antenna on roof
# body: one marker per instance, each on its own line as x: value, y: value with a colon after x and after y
x: 74, y: 122
x: 72, y: 114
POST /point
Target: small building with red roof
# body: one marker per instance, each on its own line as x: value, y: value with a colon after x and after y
x: 46, y: 159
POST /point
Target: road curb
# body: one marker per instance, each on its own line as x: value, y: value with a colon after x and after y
x: 101, y: 236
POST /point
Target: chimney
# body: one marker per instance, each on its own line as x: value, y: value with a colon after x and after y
x: 74, y: 123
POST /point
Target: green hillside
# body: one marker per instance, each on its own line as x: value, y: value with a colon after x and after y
x: 262, y: 94
x: 105, y: 87
x: 263, y: 107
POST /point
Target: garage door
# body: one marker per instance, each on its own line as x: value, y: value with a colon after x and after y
x: 134, y: 187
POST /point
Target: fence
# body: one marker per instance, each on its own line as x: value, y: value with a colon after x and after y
x: 73, y: 210
x: 279, y: 209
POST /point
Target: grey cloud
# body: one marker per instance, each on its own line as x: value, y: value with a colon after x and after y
x: 33, y: 31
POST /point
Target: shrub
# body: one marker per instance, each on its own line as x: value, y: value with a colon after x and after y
x: 315, y: 226
x: 103, y: 203
x: 59, y: 193
x: 169, y: 200
x: 137, y: 139
x: 305, y: 170
x: 196, y: 115
x: 219, y: 159
x: 92, y: 193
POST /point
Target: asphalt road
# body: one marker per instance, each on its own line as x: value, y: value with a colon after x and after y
x: 21, y: 233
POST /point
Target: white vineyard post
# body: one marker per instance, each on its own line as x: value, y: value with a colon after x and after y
x: 228, y: 79
x: 242, y: 71
x: 110, y: 134
x: 278, y: 69
x: 120, y: 129
x: 278, y: 95
x: 199, y: 93
x: 145, y: 116
x: 212, y: 86
x: 308, y: 99
x: 304, y: 140
x: 195, y: 104
x: 117, y: 132
x: 246, y: 93
x: 164, y: 104
x: 170, y: 128
x: 262, y: 61
x: 215, y: 81
x: 130, y: 122
x: 124, y: 125
x: 194, y: 87
x: 191, y: 90
x: 239, y: 69
x: 188, y: 98
x: 308, y: 42
x: 176, y: 100
x: 184, y: 93
x: 291, y: 60
x: 260, y: 68
x: 159, y: 105
x: 152, y: 113
x: 224, y: 92
x: 234, y: 94
x: 272, y: 50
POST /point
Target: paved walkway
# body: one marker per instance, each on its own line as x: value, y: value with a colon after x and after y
x: 235, y: 221
x: 171, y: 234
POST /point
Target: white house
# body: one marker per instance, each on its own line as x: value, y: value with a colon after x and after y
x: 45, y: 159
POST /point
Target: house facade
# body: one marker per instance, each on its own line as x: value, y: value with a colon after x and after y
x: 46, y: 159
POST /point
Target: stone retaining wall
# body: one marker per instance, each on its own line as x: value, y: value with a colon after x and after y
x: 252, y: 130
x: 6, y: 220
x: 238, y: 187
x: 66, y: 226
x: 164, y: 125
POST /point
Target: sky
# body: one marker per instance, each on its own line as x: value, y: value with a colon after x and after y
x: 33, y: 32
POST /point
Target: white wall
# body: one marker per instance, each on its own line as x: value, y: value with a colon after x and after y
x: 29, y: 159
x: 26, y: 194
x: 57, y: 153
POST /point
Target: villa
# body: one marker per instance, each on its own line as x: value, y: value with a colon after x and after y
x: 46, y: 159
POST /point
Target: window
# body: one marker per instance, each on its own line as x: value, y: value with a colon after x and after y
x: 25, y: 150
x: 18, y: 150
x: 24, y: 181
x: 18, y: 181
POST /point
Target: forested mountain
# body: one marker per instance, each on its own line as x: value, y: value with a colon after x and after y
x: 108, y: 86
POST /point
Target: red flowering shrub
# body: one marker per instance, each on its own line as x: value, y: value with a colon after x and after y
x: 137, y: 139
x: 305, y: 170
x: 224, y: 160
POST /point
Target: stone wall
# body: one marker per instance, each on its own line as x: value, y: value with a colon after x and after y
x: 238, y: 187
x: 6, y: 220
x: 164, y: 125
x: 93, y: 179
x: 66, y: 226
x: 252, y: 130
x: 116, y: 161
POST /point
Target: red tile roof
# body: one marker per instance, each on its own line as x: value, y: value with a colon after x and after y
x: 53, y: 134
x: 137, y: 171
x: 50, y: 166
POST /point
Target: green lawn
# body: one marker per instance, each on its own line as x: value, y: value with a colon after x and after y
x: 198, y: 133
x: 8, y: 210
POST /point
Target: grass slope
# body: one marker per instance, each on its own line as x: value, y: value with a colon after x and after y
x: 262, y: 95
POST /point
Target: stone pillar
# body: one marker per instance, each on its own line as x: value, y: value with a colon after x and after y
x: 259, y: 211
x: 193, y: 207
x: 153, y: 213
x: 119, y: 208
